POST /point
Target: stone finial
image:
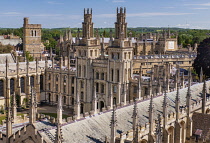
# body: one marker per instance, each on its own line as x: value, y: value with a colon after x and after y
x: 113, y: 125
x: 14, y: 107
x: 32, y: 114
x: 204, y: 98
x: 58, y: 134
x: 177, y: 102
x: 135, y: 114
x: 102, y: 48
x: 158, y: 130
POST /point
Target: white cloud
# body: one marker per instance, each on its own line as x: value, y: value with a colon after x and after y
x: 201, y: 4
x: 200, y: 8
x: 118, y: 1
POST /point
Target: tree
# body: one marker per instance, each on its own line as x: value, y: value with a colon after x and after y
x: 203, y: 58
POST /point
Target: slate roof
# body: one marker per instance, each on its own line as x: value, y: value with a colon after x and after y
x: 95, y: 128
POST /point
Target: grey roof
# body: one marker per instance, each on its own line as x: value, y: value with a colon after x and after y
x: 9, y: 58
x: 95, y: 128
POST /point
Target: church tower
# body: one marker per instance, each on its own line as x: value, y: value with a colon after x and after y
x: 32, y: 38
x: 121, y: 25
x: 87, y: 25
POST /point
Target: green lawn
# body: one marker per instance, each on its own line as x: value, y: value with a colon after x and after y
x: 54, y: 115
x: 3, y: 117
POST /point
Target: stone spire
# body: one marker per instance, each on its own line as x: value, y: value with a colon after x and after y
x: 9, y: 120
x: 61, y: 38
x: 151, y: 81
x: 177, y: 103
x: 113, y: 125
x: 32, y: 113
x: 151, y: 116
x: 14, y: 107
x: 69, y: 35
x: 158, y: 130
x: 201, y: 75
x: 189, y: 96
x: 135, y: 118
x: 165, y: 107
x: 58, y: 135
x: 204, y: 98
x: 136, y: 137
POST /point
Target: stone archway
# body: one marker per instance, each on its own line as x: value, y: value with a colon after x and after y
x: 171, y: 134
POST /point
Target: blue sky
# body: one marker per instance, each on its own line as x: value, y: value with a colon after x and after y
x: 140, y: 13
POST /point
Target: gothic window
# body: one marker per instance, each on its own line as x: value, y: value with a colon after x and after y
x: 82, y: 95
x: 114, y: 100
x: 95, y: 52
x: 84, y: 71
x: 1, y: 88
x: 102, y: 76
x: 48, y: 86
x: 64, y: 99
x: 112, y: 74
x: 32, y: 81
x: 112, y: 55
x: 114, y: 89
x: 41, y: 83
x: 72, y: 80
x: 22, y: 85
x: 57, y: 76
x: 79, y: 70
x: 102, y: 88
x: 91, y: 53
x: 97, y: 87
x: 135, y: 89
x: 129, y: 55
x: 35, y: 33
x: 125, y: 54
x: 12, y: 86
x: 72, y: 90
x: 56, y: 97
x: 118, y: 56
x: 97, y: 75
x: 118, y: 75
x: 64, y: 79
x: 49, y: 77
x: 32, y: 33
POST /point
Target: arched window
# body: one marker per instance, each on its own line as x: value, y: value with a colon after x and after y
x: 84, y: 70
x: 114, y: 101
x: 1, y: 88
x: 64, y: 78
x: 97, y: 87
x: 12, y: 86
x: 102, y: 88
x: 118, y: 75
x: 35, y: 33
x: 32, y: 81
x: 41, y: 83
x: 97, y: 75
x: 57, y: 76
x: 32, y: 33
x: 22, y: 85
x: 102, y: 76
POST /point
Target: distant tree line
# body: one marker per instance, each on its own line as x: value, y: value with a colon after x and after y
x: 186, y: 36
